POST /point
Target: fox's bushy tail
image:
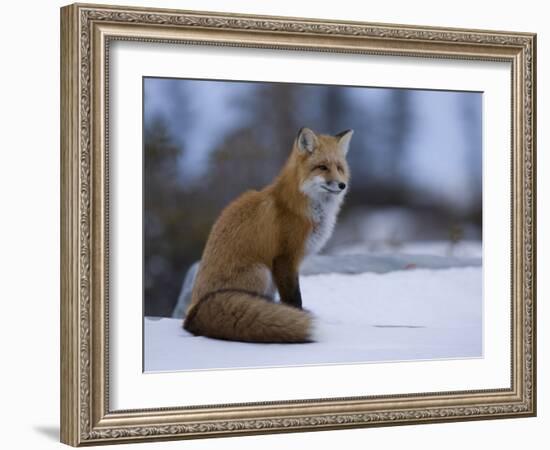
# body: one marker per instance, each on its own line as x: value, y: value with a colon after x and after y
x: 239, y: 315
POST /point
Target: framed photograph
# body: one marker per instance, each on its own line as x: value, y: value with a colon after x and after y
x: 276, y: 224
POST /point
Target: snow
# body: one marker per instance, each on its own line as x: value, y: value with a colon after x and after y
x: 380, y: 263
x: 351, y: 263
x: 461, y: 249
x: 396, y: 316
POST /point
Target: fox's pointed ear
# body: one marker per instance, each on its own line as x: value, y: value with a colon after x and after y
x: 344, y: 138
x: 306, y: 140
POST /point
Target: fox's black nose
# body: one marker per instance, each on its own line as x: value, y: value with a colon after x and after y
x: 342, y: 186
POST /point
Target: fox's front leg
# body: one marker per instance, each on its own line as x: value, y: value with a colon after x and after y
x: 285, y: 274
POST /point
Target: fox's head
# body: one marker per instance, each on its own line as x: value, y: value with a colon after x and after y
x: 322, y: 165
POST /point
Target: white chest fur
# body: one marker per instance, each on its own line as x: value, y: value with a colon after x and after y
x: 323, y: 211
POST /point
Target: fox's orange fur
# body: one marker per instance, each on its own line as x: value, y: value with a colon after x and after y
x: 258, y: 242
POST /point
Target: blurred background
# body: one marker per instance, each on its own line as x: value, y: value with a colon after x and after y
x: 415, y: 159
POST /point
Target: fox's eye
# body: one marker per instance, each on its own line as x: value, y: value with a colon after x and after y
x: 340, y: 169
x: 323, y: 168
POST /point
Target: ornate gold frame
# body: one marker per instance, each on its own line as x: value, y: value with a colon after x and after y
x: 86, y: 31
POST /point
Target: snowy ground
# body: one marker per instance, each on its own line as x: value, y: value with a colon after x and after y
x: 368, y: 317
x: 461, y: 249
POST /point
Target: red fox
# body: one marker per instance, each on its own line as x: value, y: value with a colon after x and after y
x: 256, y: 246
